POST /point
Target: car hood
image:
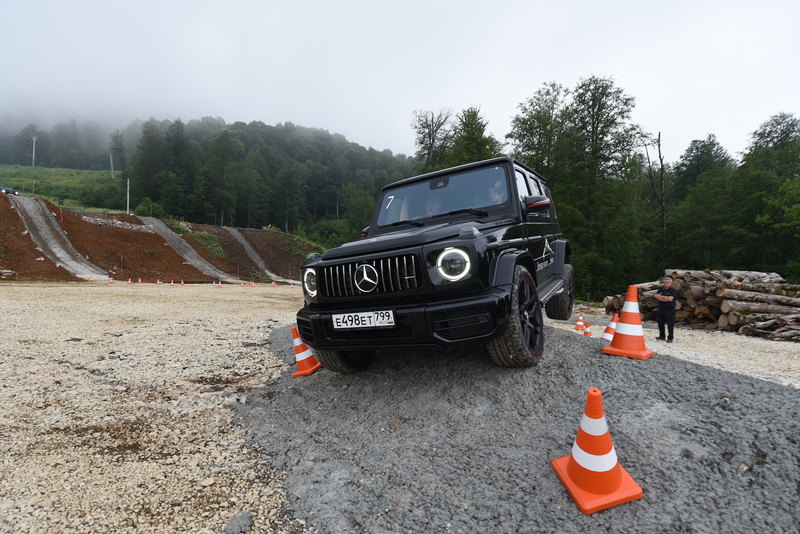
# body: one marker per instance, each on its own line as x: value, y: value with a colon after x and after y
x: 413, y: 236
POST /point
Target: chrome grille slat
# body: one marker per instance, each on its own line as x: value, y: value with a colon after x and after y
x: 397, y: 273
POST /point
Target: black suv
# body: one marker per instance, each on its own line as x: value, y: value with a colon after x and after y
x: 8, y: 190
x: 464, y: 255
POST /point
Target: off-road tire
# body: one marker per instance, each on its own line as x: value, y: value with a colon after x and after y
x: 560, y: 306
x: 522, y: 343
x: 344, y: 361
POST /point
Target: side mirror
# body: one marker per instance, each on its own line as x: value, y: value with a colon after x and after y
x: 365, y: 231
x: 537, y: 203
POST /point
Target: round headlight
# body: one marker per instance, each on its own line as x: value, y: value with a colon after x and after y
x: 453, y: 264
x: 310, y: 282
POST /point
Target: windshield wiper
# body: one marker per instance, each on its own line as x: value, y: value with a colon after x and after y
x: 480, y: 213
x: 407, y: 221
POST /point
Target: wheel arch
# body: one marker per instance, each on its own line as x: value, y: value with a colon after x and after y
x: 502, y: 273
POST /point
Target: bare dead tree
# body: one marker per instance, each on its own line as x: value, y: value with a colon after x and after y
x: 659, y: 187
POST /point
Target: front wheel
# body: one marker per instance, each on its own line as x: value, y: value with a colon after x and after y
x: 343, y: 361
x: 522, y: 343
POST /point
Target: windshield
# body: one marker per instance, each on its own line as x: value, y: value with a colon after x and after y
x: 478, y: 189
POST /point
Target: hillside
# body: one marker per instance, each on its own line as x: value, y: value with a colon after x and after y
x: 118, y: 244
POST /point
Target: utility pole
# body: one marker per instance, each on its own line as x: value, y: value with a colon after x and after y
x: 33, y: 156
x: 111, y: 160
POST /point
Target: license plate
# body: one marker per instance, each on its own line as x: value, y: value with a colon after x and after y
x: 371, y: 319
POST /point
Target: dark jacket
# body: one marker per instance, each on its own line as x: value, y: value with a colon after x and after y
x: 671, y: 292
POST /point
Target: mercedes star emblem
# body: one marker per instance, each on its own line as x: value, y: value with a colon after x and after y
x: 366, y: 278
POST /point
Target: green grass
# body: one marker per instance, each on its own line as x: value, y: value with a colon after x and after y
x: 211, y: 243
x: 51, y: 182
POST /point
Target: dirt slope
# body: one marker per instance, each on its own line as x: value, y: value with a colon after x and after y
x: 118, y: 244
x: 18, y: 252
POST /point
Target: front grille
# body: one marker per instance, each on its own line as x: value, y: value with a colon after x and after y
x: 397, y: 273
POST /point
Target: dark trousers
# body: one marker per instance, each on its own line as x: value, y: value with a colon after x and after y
x: 666, y: 317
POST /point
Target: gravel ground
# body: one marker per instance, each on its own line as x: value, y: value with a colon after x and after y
x: 442, y: 441
x: 116, y: 408
x: 158, y: 409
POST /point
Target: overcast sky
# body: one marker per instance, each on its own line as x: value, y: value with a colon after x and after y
x: 361, y: 68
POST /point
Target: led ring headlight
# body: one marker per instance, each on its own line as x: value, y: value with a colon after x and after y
x: 310, y: 282
x: 453, y: 264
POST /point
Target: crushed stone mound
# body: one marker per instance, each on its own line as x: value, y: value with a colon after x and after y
x: 443, y: 441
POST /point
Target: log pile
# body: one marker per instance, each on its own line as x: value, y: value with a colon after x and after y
x: 747, y: 302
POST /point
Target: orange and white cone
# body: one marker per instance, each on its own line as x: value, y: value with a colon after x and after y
x: 274, y: 283
x: 252, y: 283
x: 182, y: 284
x: 608, y: 333
x: 110, y: 280
x: 629, y: 336
x: 580, y: 325
x: 91, y: 278
x: 587, y: 331
x: 591, y: 473
x: 172, y: 283
x: 306, y: 361
x: 158, y: 281
x: 129, y: 281
x: 242, y: 283
x: 140, y: 281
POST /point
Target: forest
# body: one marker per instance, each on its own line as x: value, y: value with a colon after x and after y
x: 627, y: 212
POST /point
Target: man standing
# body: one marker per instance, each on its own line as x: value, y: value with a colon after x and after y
x: 666, y: 309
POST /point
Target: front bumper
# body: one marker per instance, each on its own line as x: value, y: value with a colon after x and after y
x: 443, y: 323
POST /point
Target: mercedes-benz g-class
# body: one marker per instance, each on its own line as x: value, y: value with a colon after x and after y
x: 469, y: 254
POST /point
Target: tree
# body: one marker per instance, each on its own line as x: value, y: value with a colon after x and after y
x: 432, y: 137
x: 469, y: 141
x: 538, y: 128
x: 357, y: 206
x: 775, y: 146
x: 701, y: 156
x: 149, y: 160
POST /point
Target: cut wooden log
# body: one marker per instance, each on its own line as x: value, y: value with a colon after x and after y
x: 755, y: 276
x: 752, y: 296
x: 791, y: 290
x: 755, y: 307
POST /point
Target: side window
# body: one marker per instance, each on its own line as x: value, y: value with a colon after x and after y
x: 534, y: 183
x: 552, y: 204
x: 522, y: 186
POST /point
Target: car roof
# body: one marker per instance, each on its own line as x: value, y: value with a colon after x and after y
x: 459, y: 168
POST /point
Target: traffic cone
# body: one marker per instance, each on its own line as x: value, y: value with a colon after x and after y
x: 129, y: 281
x: 242, y: 283
x: 608, y: 333
x: 158, y: 281
x: 629, y: 337
x: 182, y: 284
x: 91, y: 278
x: 591, y: 473
x: 110, y: 280
x: 579, y: 325
x: 306, y: 361
x: 172, y: 283
x: 274, y: 283
x: 587, y: 331
x: 252, y: 283
x: 140, y: 281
